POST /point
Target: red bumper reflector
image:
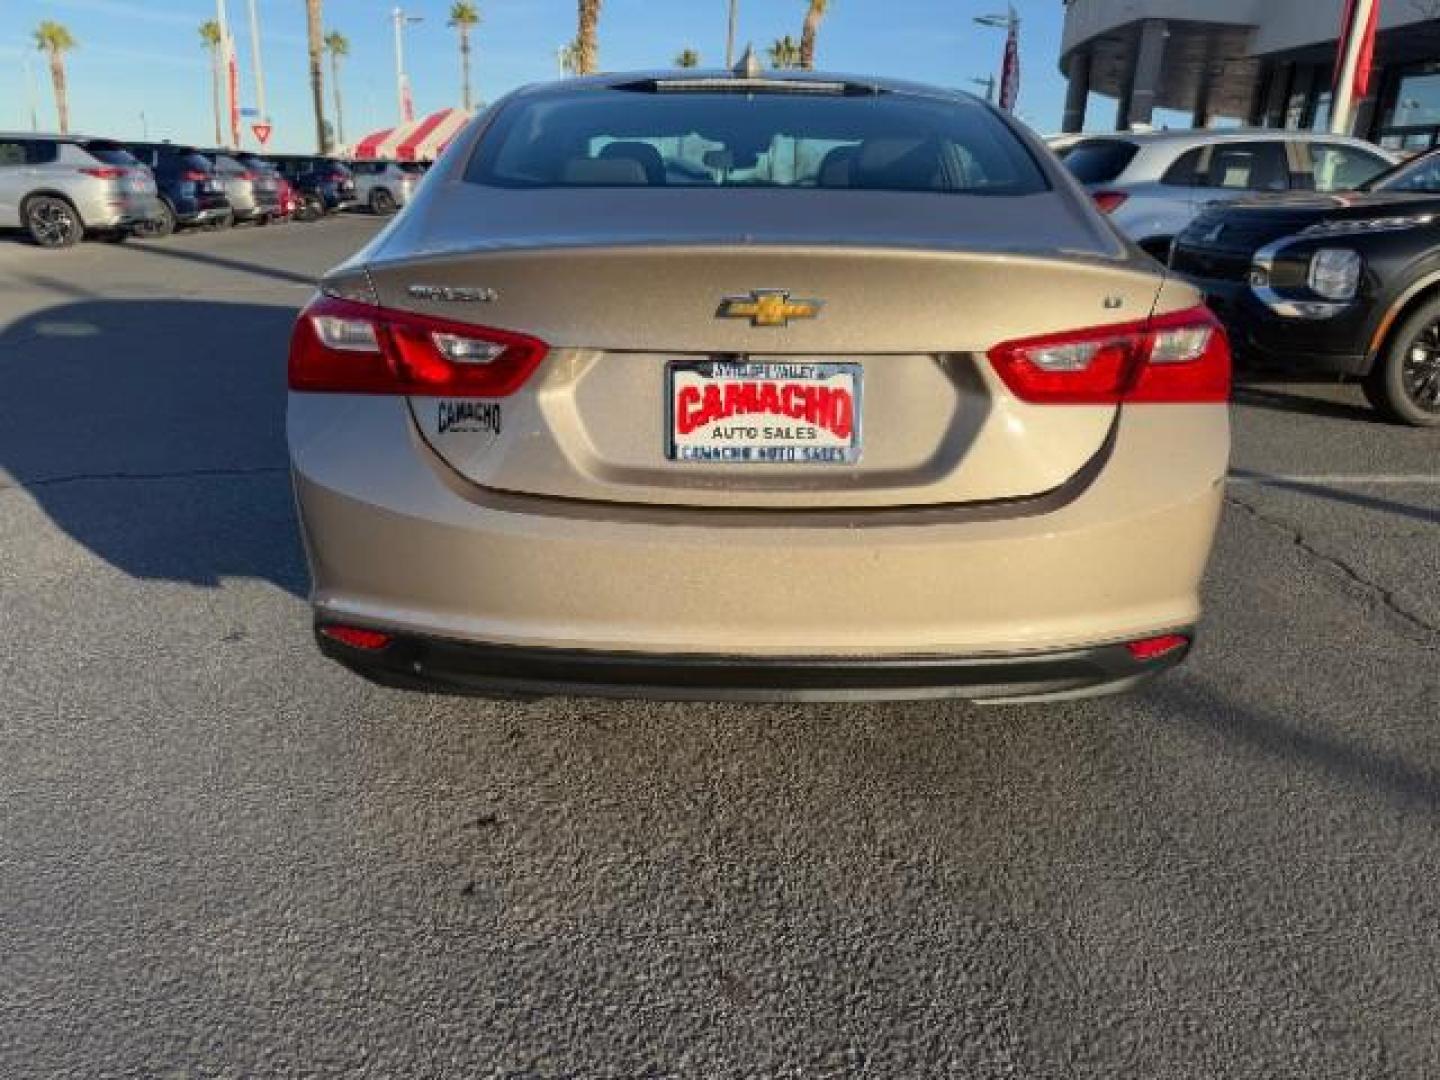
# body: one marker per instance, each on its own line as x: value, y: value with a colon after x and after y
x: 1156, y: 647
x: 357, y: 638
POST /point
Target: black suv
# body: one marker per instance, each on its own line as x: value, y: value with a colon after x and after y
x: 191, y: 192
x: 323, y: 182
x: 1345, y: 283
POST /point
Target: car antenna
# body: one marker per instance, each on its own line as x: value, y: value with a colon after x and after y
x: 749, y: 65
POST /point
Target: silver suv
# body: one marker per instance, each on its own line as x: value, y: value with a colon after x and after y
x: 1153, y: 184
x: 60, y: 187
x: 385, y: 186
x: 254, y: 194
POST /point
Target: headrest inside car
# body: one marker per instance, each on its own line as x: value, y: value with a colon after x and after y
x: 642, y: 152
x: 898, y: 163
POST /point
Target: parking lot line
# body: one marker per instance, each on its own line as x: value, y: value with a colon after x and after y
x: 1359, y: 480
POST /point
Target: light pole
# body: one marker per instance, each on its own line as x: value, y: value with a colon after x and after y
x: 260, y: 109
x: 730, y: 35
x: 402, y: 82
x: 32, y: 94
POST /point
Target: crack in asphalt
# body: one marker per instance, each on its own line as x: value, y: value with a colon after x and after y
x: 1386, y: 598
x: 185, y: 474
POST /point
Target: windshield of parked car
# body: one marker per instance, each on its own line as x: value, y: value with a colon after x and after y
x: 874, y: 142
x: 1420, y: 175
x: 412, y: 167
x: 1099, y: 161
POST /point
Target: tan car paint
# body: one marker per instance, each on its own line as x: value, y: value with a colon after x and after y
x: 567, y: 528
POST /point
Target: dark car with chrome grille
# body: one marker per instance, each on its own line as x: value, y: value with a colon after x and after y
x: 1345, y: 283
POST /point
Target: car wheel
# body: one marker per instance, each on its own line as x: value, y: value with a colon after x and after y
x: 382, y: 202
x: 314, y: 208
x: 157, y: 228
x: 261, y: 221
x: 1404, y: 384
x: 52, y: 222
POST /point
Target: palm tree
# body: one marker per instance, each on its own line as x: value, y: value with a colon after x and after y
x: 338, y: 46
x: 784, y: 53
x: 687, y: 58
x: 464, y: 17
x: 568, y: 56
x: 587, y: 48
x: 210, y: 39
x: 316, y: 44
x: 55, y: 39
x: 813, y: 15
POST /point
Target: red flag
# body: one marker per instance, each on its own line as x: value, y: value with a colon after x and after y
x: 1010, y: 71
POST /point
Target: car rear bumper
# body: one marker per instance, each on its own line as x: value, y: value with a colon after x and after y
x: 423, y: 663
x: 399, y: 542
x: 125, y: 213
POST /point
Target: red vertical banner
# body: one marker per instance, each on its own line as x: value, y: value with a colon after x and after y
x: 232, y: 82
x: 1010, y: 70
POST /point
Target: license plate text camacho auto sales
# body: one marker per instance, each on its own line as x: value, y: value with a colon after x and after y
x: 779, y: 413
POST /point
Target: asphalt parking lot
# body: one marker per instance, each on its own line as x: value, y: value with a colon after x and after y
x: 221, y: 855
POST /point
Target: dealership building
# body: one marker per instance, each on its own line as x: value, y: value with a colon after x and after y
x: 1268, y: 63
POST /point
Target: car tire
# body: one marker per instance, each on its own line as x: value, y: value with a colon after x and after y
x: 52, y: 222
x: 382, y: 202
x: 1404, y: 384
x: 160, y: 227
x: 261, y: 221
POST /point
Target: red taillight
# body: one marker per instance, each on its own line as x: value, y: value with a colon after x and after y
x: 195, y: 176
x: 1109, y: 201
x: 1179, y: 358
x: 108, y: 172
x: 340, y: 346
x: 249, y: 176
x: 1156, y: 647
x: 357, y: 637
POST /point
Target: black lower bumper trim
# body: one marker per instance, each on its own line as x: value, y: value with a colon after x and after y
x: 504, y: 670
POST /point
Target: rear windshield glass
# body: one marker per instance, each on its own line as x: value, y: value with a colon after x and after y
x: 1099, y: 161
x: 110, y: 153
x: 883, y: 142
x: 228, y: 164
x: 411, y: 167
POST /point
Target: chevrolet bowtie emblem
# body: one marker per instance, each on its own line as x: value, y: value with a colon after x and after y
x: 768, y: 307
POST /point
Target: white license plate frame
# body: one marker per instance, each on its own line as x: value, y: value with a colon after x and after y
x: 829, y: 442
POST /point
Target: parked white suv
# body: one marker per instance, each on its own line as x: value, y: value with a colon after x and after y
x: 385, y: 186
x: 59, y: 188
x: 1154, y: 184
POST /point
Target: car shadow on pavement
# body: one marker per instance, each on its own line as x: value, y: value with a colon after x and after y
x: 152, y: 432
x: 1347, y: 496
x: 1193, y: 699
x: 1280, y: 400
x: 160, y: 249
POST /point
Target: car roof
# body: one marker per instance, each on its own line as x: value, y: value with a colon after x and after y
x: 723, y: 78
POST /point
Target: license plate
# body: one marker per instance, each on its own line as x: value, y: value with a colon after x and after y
x: 766, y: 413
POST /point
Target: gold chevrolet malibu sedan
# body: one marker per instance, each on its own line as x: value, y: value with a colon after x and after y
x: 758, y: 387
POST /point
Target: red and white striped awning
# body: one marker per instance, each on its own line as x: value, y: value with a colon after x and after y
x: 419, y: 140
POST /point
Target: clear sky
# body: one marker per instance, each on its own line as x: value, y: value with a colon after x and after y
x: 140, y: 63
